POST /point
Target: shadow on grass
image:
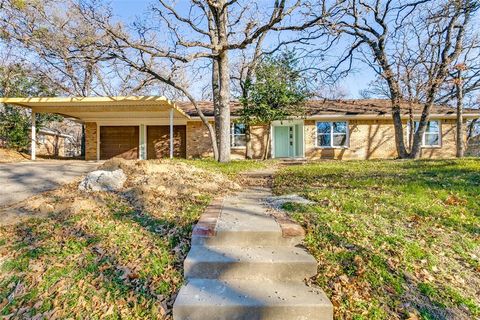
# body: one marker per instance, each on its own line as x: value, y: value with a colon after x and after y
x: 68, y: 248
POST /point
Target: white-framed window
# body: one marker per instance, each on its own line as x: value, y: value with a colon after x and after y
x: 332, y: 134
x: 238, y: 132
x: 432, y: 135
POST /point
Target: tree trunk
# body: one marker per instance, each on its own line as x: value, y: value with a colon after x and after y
x: 224, y: 108
x: 267, y: 145
x: 422, y: 125
x: 216, y: 99
x: 398, y: 126
x: 248, y: 142
x: 460, y: 142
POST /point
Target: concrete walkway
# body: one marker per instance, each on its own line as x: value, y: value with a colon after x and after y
x: 22, y: 180
x: 248, y: 269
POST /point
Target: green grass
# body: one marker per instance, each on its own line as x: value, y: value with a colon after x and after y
x: 393, y: 238
x: 231, y: 168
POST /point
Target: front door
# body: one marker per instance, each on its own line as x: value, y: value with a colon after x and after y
x: 283, y: 141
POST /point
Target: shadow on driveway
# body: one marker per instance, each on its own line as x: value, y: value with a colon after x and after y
x: 22, y: 180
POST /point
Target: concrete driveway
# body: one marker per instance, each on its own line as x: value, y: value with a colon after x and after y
x: 21, y: 180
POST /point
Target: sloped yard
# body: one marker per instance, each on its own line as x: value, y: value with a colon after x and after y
x: 394, y: 239
x: 108, y: 255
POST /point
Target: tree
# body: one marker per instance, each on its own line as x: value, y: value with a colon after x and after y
x: 15, y: 122
x: 426, y: 37
x: 276, y: 92
x: 197, y: 31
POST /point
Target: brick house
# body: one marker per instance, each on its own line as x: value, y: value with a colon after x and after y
x: 149, y: 127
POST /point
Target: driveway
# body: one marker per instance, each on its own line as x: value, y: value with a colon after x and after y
x: 21, y: 180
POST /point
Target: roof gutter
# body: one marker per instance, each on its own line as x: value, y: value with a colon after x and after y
x: 467, y: 116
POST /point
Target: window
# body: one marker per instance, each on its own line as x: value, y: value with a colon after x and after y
x: 431, y: 136
x: 238, y: 135
x: 41, y: 139
x: 332, y: 134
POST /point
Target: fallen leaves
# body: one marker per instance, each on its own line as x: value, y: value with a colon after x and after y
x: 106, y: 255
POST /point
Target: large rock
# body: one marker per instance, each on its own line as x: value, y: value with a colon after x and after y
x: 102, y: 180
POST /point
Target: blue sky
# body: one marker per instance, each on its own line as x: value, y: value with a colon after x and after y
x: 127, y: 10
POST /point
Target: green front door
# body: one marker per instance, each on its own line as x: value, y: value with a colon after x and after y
x: 283, y: 141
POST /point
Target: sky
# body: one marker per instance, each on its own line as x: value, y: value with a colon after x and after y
x: 127, y: 10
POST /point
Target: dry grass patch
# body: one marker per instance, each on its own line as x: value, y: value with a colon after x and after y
x: 105, y: 255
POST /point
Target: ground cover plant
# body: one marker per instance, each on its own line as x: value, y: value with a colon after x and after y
x: 394, y: 239
x: 107, y: 255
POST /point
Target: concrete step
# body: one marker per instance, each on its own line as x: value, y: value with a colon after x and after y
x: 246, y: 238
x: 271, y: 263
x: 236, y: 299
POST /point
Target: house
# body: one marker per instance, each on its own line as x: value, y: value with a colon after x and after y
x: 53, y: 143
x: 149, y: 127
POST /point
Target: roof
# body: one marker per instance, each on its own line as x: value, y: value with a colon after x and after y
x: 84, y: 107
x: 372, y: 107
x: 159, y: 107
x: 50, y: 132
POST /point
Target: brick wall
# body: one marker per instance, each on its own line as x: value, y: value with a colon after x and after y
x: 374, y: 139
x: 198, y: 142
x: 91, y: 141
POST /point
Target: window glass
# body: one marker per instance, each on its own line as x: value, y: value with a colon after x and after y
x: 340, y: 127
x: 432, y: 126
x: 239, y: 128
x: 332, y: 134
x: 339, y: 140
x: 238, y: 138
x: 324, y: 140
x: 323, y: 127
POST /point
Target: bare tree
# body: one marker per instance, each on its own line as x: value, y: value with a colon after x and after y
x: 201, y: 29
x: 432, y: 35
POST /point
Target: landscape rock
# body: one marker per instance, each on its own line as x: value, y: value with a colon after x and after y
x: 102, y: 180
x: 277, y: 202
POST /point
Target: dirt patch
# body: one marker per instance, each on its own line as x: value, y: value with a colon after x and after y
x: 117, y: 254
x: 10, y: 155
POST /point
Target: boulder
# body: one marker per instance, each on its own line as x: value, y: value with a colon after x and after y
x: 102, y: 180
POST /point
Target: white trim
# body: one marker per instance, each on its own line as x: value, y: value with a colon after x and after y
x: 142, y: 145
x: 33, y: 137
x: 345, y: 117
x: 347, y: 144
x: 136, y: 121
x: 98, y: 141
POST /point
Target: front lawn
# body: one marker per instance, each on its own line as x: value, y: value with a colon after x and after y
x: 394, y: 239
x: 113, y: 255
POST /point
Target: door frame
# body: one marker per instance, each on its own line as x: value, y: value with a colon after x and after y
x: 287, y: 123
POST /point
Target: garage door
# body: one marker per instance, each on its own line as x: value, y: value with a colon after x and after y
x: 119, y: 141
x: 158, y: 142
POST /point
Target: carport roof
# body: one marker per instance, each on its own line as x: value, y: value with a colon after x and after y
x: 84, y: 107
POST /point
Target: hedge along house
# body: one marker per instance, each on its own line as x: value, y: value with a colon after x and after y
x: 149, y: 127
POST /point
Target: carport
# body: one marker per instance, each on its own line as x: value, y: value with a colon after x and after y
x: 130, y: 127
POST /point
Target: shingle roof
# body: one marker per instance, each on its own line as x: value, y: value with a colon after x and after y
x: 334, y: 107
